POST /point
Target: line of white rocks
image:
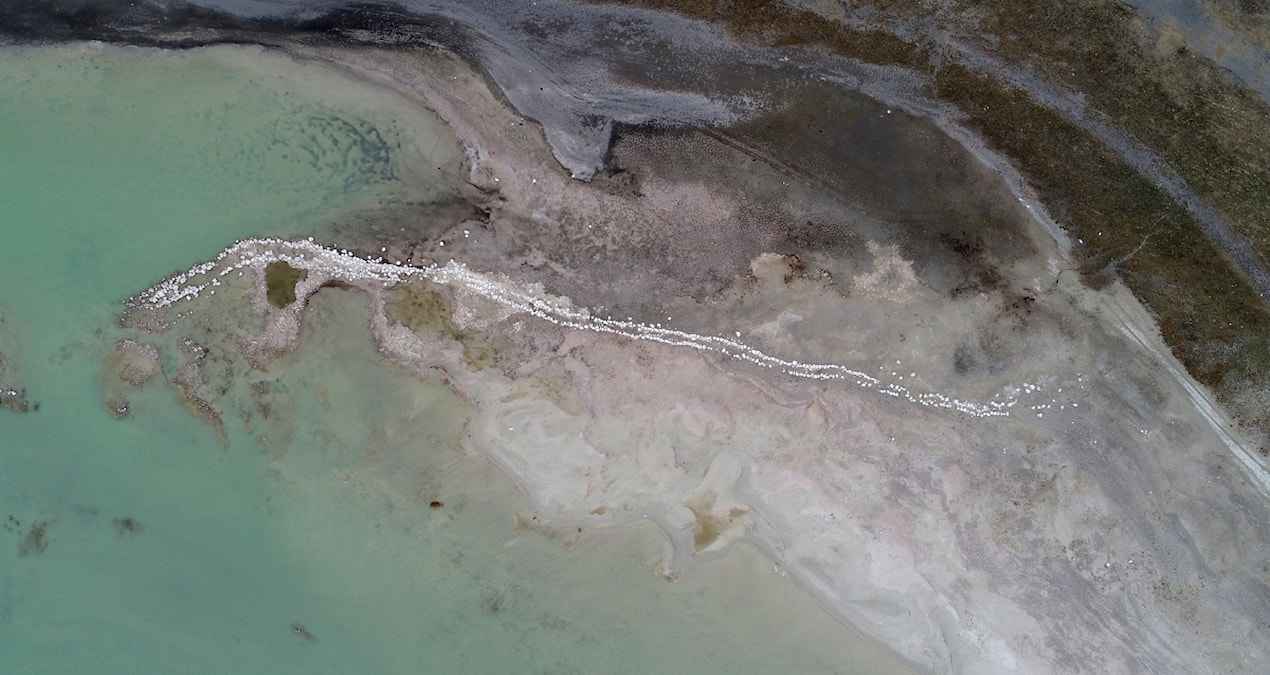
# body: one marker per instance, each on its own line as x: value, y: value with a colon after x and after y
x: 344, y: 265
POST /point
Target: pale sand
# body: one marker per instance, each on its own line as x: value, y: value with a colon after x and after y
x: 1100, y: 525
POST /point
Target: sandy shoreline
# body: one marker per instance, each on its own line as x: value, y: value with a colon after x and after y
x: 928, y: 530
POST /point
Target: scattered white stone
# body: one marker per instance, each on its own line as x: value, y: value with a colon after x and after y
x: 345, y: 266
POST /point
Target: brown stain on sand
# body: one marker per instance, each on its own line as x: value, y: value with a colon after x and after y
x: 709, y: 526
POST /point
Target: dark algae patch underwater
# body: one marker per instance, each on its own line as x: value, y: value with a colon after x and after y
x: 280, y: 281
x: 1210, y: 129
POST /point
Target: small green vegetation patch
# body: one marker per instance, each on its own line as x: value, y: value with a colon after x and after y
x: 422, y: 309
x: 280, y: 281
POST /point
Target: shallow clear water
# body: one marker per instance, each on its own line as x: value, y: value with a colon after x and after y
x: 306, y: 540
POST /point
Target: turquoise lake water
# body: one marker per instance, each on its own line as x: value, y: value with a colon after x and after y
x: 305, y: 541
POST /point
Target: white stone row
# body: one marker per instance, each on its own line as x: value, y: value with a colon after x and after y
x: 346, y: 266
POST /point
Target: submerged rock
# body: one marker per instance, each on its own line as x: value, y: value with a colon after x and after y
x: 35, y: 540
x: 194, y: 392
x: 11, y: 396
x: 128, y: 525
x: 128, y: 366
x: 14, y: 399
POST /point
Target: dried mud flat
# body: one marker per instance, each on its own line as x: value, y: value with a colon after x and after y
x: 960, y: 450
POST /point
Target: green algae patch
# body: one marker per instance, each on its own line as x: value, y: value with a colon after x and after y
x: 422, y: 309
x: 482, y: 351
x: 427, y: 312
x: 280, y: 281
